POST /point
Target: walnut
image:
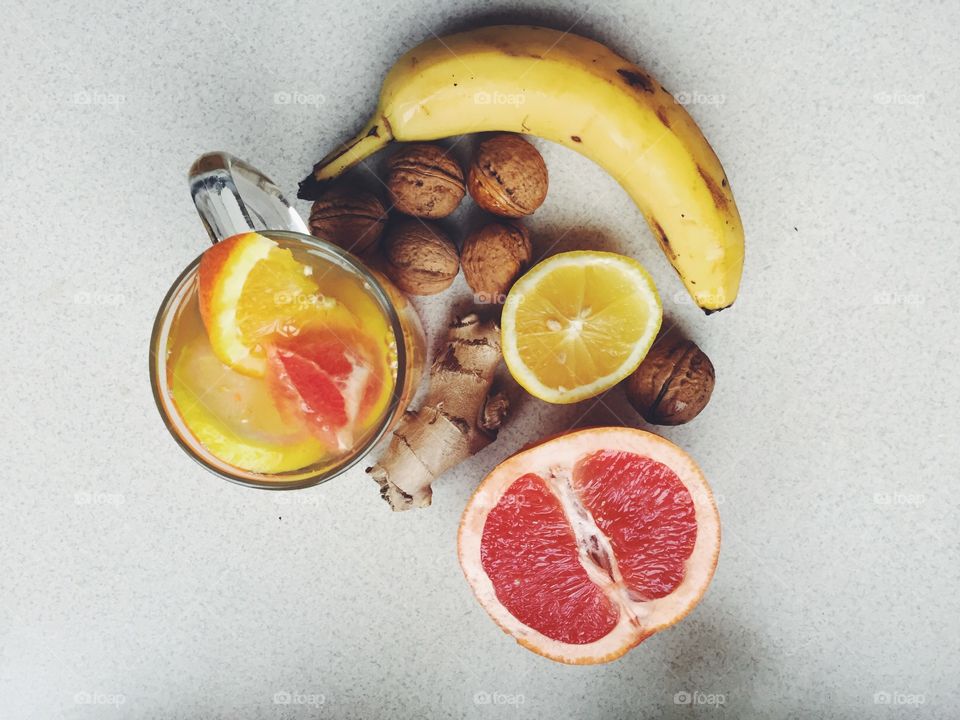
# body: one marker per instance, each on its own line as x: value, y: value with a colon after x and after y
x: 507, y: 176
x: 420, y: 258
x: 673, y: 383
x: 493, y: 257
x: 353, y: 218
x: 424, y: 181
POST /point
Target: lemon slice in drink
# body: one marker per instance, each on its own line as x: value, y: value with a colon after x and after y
x: 235, y: 418
x: 578, y: 323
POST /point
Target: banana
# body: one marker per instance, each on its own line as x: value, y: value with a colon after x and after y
x: 578, y: 93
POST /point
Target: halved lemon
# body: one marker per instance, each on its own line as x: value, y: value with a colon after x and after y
x: 578, y: 323
x: 250, y: 289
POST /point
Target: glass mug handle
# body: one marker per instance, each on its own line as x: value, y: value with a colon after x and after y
x: 234, y: 197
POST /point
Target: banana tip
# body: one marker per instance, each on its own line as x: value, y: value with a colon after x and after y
x: 711, y: 311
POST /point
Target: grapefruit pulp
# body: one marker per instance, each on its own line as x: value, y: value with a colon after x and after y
x: 585, y: 545
x: 336, y: 380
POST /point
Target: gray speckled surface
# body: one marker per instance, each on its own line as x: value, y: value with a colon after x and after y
x: 131, y: 575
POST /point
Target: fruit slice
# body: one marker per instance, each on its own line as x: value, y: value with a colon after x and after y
x: 579, y: 323
x: 251, y: 289
x: 336, y: 380
x: 234, y: 416
x: 585, y: 545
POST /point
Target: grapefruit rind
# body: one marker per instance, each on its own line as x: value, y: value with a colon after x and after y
x: 641, y: 619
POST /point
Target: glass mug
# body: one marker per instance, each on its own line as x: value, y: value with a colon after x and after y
x: 234, y: 198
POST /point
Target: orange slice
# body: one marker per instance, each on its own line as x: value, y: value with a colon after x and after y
x: 251, y: 289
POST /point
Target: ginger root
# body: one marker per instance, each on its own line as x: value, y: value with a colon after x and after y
x: 459, y: 416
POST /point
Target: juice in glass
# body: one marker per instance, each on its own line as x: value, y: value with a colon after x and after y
x: 279, y: 360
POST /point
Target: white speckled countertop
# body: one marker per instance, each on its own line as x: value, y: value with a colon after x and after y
x: 135, y: 585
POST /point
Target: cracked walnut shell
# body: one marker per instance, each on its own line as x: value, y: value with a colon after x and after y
x: 493, y: 257
x: 420, y: 258
x: 351, y: 218
x: 423, y: 181
x: 673, y: 383
x: 507, y: 176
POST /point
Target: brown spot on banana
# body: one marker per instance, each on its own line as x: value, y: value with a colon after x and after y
x: 663, y: 240
x: 662, y: 115
x: 719, y: 196
x: 637, y: 79
x: 513, y: 52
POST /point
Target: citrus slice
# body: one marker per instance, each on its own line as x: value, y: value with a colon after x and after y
x: 251, y: 289
x: 585, y: 545
x: 336, y: 380
x: 578, y: 323
x: 234, y: 416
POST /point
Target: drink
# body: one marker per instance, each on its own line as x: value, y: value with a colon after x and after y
x: 279, y: 360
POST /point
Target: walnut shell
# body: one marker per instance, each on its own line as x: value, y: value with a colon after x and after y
x: 352, y: 218
x: 507, y: 176
x: 673, y: 383
x: 493, y: 257
x: 424, y: 181
x: 420, y: 258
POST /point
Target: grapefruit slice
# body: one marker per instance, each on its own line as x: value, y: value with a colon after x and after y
x: 334, y: 379
x: 585, y: 545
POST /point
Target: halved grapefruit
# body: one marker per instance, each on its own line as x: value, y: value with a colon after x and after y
x: 585, y: 545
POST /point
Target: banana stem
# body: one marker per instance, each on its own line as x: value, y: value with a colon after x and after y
x: 374, y: 136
